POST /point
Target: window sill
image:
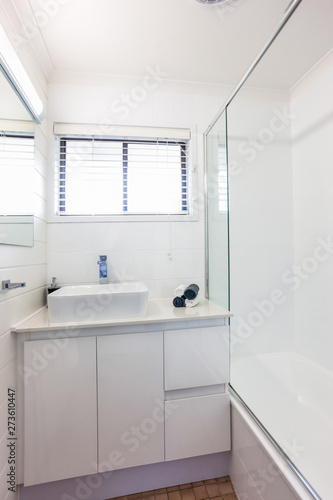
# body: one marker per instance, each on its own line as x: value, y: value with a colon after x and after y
x: 63, y: 219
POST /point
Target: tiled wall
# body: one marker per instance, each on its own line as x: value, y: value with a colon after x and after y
x: 312, y: 130
x: 161, y: 254
x: 21, y: 264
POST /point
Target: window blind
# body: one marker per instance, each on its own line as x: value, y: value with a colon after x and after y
x: 125, y: 131
x: 113, y: 176
x: 16, y: 162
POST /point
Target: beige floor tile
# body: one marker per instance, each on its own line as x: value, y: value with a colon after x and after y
x: 213, y: 490
x: 210, y: 489
x: 200, y: 492
x: 161, y: 496
x: 187, y: 494
x: 225, y: 488
x: 174, y: 495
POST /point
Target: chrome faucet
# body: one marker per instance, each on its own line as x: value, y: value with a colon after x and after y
x: 103, y: 269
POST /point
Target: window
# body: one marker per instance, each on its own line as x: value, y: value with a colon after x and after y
x: 113, y: 176
x: 222, y: 180
x: 17, y: 152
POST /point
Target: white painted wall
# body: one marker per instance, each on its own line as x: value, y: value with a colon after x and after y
x: 137, y: 251
x: 21, y: 264
x: 312, y: 132
x: 261, y: 222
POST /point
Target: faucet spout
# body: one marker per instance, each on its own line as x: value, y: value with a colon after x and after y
x: 103, y: 269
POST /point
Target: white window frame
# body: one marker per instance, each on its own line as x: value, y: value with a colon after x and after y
x: 129, y: 131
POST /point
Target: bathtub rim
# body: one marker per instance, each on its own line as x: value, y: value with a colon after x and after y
x: 289, y: 471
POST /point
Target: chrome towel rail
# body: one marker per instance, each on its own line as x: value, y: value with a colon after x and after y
x: 7, y: 285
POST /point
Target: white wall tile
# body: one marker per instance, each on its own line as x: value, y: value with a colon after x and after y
x: 136, y: 250
x: 40, y: 161
x: 39, y: 204
x: 41, y: 139
x: 40, y: 185
x: 17, y: 308
x: 159, y: 289
x: 40, y: 230
x: 16, y: 256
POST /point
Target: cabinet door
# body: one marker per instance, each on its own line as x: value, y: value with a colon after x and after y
x: 197, y: 426
x: 60, y: 431
x: 196, y: 357
x: 130, y: 400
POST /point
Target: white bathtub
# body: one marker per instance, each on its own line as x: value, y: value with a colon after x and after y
x: 292, y: 397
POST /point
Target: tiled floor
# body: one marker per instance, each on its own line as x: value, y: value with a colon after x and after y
x: 212, y: 489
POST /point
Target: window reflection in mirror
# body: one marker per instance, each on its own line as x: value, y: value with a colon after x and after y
x: 16, y: 169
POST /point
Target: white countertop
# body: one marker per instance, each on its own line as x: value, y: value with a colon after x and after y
x: 158, y: 311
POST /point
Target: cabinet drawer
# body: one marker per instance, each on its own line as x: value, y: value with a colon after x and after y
x: 196, y: 357
x: 197, y: 426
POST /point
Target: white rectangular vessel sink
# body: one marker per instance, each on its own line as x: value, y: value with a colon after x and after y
x: 89, y: 303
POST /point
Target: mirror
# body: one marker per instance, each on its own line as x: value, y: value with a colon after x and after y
x: 16, y: 169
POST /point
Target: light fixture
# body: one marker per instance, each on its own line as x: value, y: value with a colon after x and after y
x: 212, y: 2
x: 13, y: 69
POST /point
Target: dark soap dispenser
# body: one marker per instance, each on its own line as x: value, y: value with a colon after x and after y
x: 54, y: 286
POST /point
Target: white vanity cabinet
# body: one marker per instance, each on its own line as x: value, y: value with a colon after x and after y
x: 60, y: 418
x: 130, y: 400
x: 95, y: 398
x: 197, y: 410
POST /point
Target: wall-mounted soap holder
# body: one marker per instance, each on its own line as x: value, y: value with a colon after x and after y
x: 7, y: 285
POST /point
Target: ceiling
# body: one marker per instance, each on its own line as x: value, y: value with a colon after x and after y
x: 187, y: 41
